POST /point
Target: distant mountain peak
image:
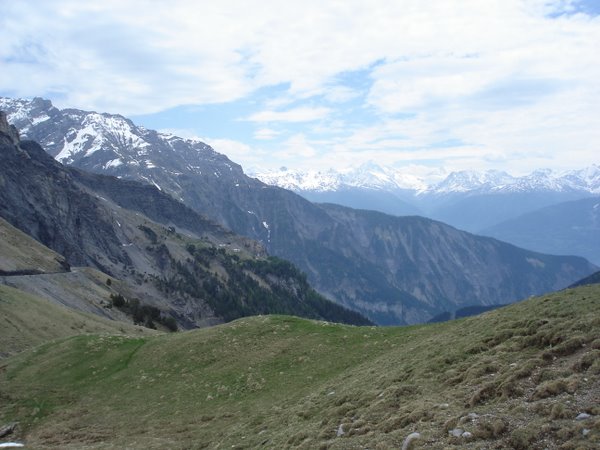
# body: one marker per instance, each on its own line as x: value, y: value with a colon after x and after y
x: 371, y: 176
x: 368, y: 175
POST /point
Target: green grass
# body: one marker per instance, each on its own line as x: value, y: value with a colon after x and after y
x: 280, y: 382
x: 27, y: 320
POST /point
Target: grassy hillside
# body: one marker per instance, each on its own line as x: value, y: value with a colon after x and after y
x: 27, y: 320
x: 37, y: 259
x: 516, y: 377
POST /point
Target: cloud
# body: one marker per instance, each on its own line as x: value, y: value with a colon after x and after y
x: 505, y: 80
x: 265, y: 134
x: 239, y: 152
x: 301, y: 114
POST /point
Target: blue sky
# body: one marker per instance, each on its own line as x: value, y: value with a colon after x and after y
x: 466, y: 84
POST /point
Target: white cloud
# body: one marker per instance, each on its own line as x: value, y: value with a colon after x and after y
x: 298, y: 146
x: 512, y: 82
x: 265, y: 134
x: 238, y: 152
x: 301, y: 114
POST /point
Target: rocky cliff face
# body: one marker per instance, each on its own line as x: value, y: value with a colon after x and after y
x: 8, y: 133
x: 395, y: 270
x: 45, y: 202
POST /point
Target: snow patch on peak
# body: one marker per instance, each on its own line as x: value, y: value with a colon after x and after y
x: 468, y: 180
x: 39, y: 119
x: 366, y: 176
x: 77, y: 141
x: 113, y: 163
x: 374, y: 177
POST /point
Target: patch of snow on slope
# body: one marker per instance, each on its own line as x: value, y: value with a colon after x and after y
x: 113, y: 163
x: 77, y: 141
x: 40, y: 119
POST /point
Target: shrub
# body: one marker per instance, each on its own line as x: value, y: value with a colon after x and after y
x: 586, y: 361
x: 522, y: 438
x: 550, y: 389
x: 150, y: 234
x: 118, y: 301
x: 170, y: 323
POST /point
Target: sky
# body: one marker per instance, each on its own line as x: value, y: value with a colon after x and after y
x: 422, y: 85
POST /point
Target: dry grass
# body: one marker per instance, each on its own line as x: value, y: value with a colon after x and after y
x: 280, y: 382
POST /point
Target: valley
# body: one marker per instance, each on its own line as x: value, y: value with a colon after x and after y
x: 393, y: 270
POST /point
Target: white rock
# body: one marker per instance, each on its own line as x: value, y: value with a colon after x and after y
x: 582, y: 416
x: 340, y: 430
x: 411, y: 437
x: 467, y: 435
x: 456, y: 432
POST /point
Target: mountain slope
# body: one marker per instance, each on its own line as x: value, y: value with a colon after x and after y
x: 27, y: 321
x: 440, y: 262
x: 478, y: 212
x: 200, y: 277
x: 37, y: 259
x: 591, y: 279
x: 569, y: 228
x: 521, y: 377
x: 345, y: 254
x: 383, y: 201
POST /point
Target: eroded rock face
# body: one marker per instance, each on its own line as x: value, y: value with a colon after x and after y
x: 8, y: 133
x: 46, y: 203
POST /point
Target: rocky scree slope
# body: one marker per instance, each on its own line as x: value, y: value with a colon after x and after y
x: 394, y: 270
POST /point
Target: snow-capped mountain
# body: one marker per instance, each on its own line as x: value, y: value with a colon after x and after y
x: 468, y: 200
x: 373, y: 177
x: 469, y: 181
x: 367, y: 176
x: 110, y: 143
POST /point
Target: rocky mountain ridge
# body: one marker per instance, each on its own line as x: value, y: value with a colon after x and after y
x: 161, y: 253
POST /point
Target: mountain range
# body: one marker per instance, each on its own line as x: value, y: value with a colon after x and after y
x: 394, y: 270
x: 488, y: 203
x: 372, y: 176
x: 116, y: 247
